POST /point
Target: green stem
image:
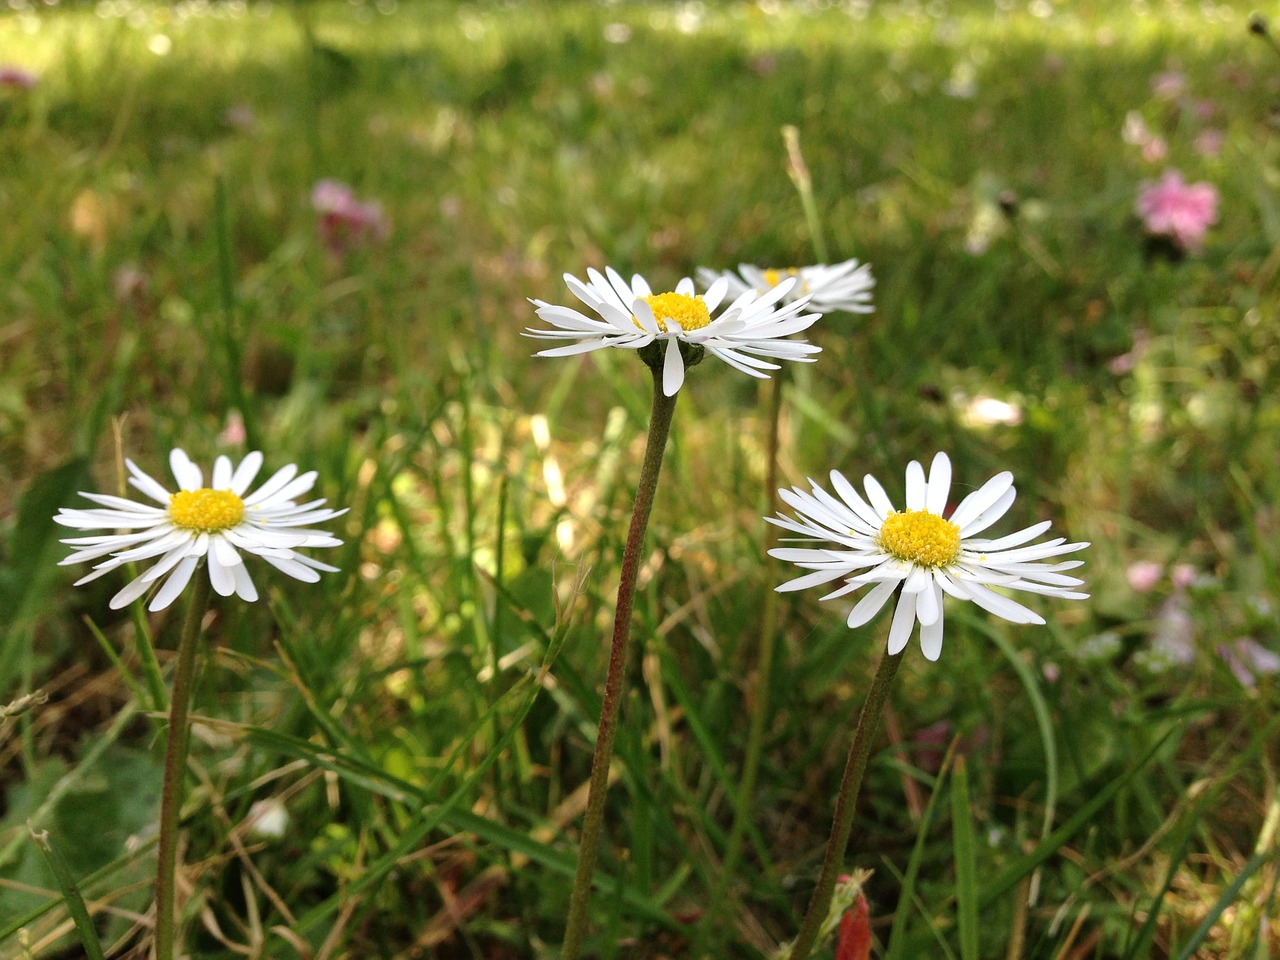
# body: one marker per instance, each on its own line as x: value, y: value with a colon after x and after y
x: 714, y: 924
x: 175, y: 764
x: 70, y: 891
x: 798, y: 171
x: 233, y: 380
x: 846, y: 803
x: 659, y: 428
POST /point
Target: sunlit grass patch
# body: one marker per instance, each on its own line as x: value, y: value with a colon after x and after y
x: 427, y: 727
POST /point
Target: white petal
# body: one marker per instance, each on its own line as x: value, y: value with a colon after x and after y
x: 222, y: 549
x: 917, y: 580
x: 185, y: 472
x: 316, y: 564
x: 245, y: 589
x: 165, y: 564
x: 859, y: 506
x: 291, y: 490
x: 931, y: 639
x: 904, y: 619
x: 278, y: 480
x: 569, y: 350
x: 1012, y: 540
x: 120, y: 503
x: 989, y: 515
x: 715, y: 293
x: 939, y: 485
x: 811, y: 580
x: 1002, y: 606
x: 223, y: 580
x: 146, y: 484
x: 245, y: 472
x: 257, y: 537
x: 132, y: 591
x: 916, y: 486
x: 221, y: 473
x: 929, y: 605
x: 672, y: 369
x: 978, y: 501
x: 870, y: 604
x: 180, y: 577
x: 876, y: 495
x: 293, y: 568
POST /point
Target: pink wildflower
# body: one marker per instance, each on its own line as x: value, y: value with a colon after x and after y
x: 17, y: 77
x: 1248, y: 660
x: 1135, y: 132
x: 1143, y: 575
x: 1155, y: 150
x: 1208, y: 143
x: 1181, y: 210
x: 345, y: 221
x: 233, y: 434
x: 1169, y: 85
x: 1183, y: 575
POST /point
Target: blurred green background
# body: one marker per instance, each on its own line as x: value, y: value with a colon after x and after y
x: 161, y: 265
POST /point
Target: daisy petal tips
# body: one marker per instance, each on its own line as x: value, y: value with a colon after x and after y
x: 920, y: 553
x: 214, y: 524
x: 681, y: 323
x: 830, y: 287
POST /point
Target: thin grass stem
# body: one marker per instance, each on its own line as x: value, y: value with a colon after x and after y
x: 175, y: 764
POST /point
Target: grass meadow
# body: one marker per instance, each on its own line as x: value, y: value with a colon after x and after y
x: 424, y: 719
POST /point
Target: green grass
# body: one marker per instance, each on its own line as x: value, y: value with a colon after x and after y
x: 1108, y: 809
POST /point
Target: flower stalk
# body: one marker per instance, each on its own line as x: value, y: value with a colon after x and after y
x: 846, y: 804
x: 659, y: 428
x: 175, y: 767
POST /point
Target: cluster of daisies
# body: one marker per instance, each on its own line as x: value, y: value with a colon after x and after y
x: 747, y: 319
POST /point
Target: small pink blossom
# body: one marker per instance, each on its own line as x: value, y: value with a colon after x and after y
x: 1155, y: 150
x: 17, y: 77
x: 1181, y: 210
x: 233, y: 434
x: 1208, y: 143
x: 1249, y: 659
x: 1169, y: 85
x: 1136, y: 133
x: 346, y: 222
x: 1127, y: 361
x: 1143, y: 575
x: 1182, y: 575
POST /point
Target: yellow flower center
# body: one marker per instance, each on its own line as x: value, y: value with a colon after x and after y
x: 205, y: 510
x: 920, y: 537
x: 774, y: 277
x: 690, y: 312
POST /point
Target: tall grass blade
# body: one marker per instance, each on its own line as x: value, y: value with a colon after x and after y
x: 966, y: 866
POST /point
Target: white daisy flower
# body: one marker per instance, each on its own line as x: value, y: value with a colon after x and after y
x: 920, y: 554
x: 633, y: 317
x: 216, y: 523
x: 838, y: 286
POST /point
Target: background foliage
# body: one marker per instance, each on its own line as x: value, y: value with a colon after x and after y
x: 425, y: 718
